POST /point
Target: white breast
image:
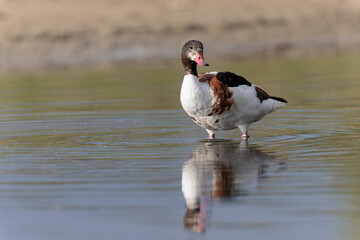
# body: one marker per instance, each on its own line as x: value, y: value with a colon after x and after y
x: 195, y: 96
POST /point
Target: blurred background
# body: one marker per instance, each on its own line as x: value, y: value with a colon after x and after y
x: 94, y: 143
x: 58, y: 33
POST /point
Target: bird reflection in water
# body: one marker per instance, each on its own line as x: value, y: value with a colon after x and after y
x: 219, y: 170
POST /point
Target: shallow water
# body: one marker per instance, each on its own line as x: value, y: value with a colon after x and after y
x: 99, y: 155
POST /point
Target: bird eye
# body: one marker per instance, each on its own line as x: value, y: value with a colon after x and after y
x: 191, y: 47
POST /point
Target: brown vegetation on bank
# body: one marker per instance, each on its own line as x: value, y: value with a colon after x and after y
x: 48, y: 33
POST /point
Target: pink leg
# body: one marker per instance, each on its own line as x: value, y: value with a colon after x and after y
x: 244, y: 129
x: 245, y: 136
x: 211, y: 134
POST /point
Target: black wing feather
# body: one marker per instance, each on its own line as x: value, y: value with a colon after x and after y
x: 231, y: 79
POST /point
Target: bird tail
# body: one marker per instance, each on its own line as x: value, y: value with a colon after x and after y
x: 279, y: 101
x: 272, y: 103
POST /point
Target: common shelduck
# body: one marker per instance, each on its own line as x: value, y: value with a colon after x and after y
x: 221, y: 100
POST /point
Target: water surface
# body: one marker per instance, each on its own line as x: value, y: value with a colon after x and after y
x: 109, y: 154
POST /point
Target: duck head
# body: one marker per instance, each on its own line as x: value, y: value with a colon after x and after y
x: 192, y: 55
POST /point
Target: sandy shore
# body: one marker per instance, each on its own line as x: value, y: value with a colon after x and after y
x: 66, y: 33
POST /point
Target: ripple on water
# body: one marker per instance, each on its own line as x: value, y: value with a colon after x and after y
x: 295, y: 165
